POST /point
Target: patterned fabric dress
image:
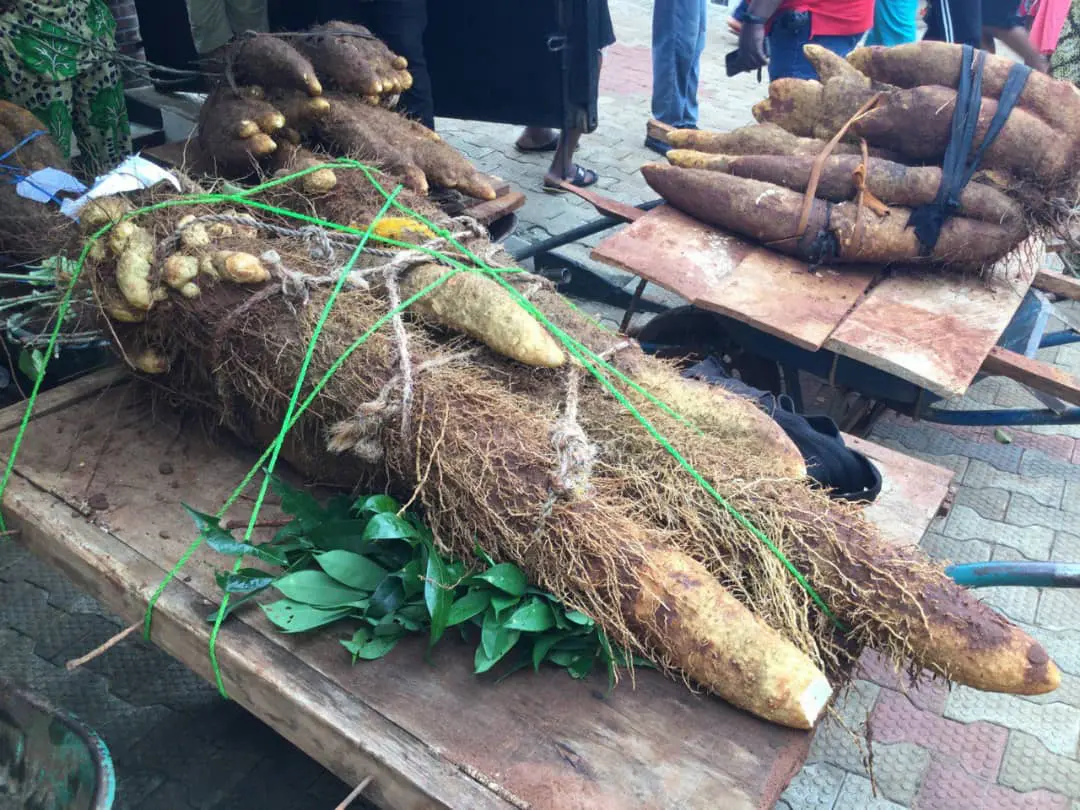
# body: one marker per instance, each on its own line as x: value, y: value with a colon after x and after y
x: 74, y: 89
x: 1065, y: 63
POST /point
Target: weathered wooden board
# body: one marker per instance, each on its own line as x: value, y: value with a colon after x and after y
x: 1036, y: 374
x: 1058, y: 284
x: 420, y: 729
x: 912, y: 492
x: 723, y: 273
x: 935, y: 329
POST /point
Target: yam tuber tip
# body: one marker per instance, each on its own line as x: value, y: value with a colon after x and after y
x: 320, y: 181
x: 319, y: 106
x: 314, y: 86
x: 240, y: 268
x: 246, y: 128
x: 399, y: 63
x: 149, y: 361
x: 102, y: 211
x: 180, y: 269
x: 261, y: 145
x: 271, y: 122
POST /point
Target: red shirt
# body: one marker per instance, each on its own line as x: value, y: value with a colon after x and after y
x: 834, y: 17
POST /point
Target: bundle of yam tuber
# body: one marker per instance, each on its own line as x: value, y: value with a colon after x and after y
x: 29, y: 230
x: 867, y: 141
x: 272, y: 115
x: 492, y: 399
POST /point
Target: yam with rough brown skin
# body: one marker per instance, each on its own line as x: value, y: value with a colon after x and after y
x: 353, y: 60
x: 400, y: 147
x: 813, y: 109
x: 479, y: 454
x: 1057, y: 103
x: 235, y: 132
x: 918, y: 123
x: 891, y: 183
x: 268, y: 61
x: 17, y: 125
x: 830, y: 65
x: 770, y: 214
x: 758, y: 139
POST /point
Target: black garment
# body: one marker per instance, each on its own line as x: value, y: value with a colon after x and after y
x: 962, y: 21
x: 604, y: 26
x: 401, y: 25
x: 846, y: 473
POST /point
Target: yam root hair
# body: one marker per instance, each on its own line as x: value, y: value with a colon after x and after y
x: 476, y: 442
x: 891, y: 183
x: 758, y: 139
x: 770, y: 214
x: 352, y: 60
x: 917, y: 123
x: 1056, y: 103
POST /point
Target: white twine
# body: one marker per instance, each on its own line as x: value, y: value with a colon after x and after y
x: 577, y: 454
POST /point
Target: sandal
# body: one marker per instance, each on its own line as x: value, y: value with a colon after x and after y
x: 550, y: 146
x: 582, y: 178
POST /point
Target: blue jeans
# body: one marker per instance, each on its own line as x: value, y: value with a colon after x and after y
x: 790, y: 31
x: 678, y: 39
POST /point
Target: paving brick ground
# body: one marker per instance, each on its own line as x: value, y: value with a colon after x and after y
x: 179, y: 747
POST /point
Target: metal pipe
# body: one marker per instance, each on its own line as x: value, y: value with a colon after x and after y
x: 1062, y: 338
x: 1012, y: 573
x: 580, y: 232
x: 1010, y: 417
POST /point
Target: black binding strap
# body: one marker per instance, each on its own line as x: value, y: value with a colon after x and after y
x: 957, y: 169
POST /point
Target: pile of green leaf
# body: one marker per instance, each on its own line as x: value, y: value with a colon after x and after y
x: 367, y: 561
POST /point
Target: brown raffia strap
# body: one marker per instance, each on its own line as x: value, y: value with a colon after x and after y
x: 819, y: 162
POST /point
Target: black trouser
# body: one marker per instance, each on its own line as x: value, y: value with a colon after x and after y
x: 400, y: 24
x: 959, y: 21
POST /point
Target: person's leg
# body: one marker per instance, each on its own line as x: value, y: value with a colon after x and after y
x: 210, y: 27
x: 690, y: 111
x: 562, y: 162
x: 1018, y: 39
x: 100, y: 118
x: 401, y: 25
x: 786, y: 39
x: 666, y: 104
x: 958, y: 21
x: 247, y: 15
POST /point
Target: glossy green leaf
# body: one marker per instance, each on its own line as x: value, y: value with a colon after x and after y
x: 492, y: 650
x: 370, y: 650
x: 412, y: 578
x: 541, y: 647
x: 473, y: 603
x: 377, y: 504
x: 332, y: 535
x: 295, y: 617
x: 316, y: 588
x: 507, y: 577
x: 438, y: 594
x: 502, y: 603
x: 301, y: 505
x: 246, y: 580
x: 563, y: 658
x: 387, y: 598
x: 532, y: 617
x: 388, y: 526
x: 581, y: 666
x: 353, y: 570
x: 32, y: 363
x: 577, y: 617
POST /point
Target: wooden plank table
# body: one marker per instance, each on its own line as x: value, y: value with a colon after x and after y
x: 96, y: 492
x: 931, y: 329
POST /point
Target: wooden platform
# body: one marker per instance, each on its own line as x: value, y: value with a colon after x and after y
x: 430, y: 734
x: 931, y: 329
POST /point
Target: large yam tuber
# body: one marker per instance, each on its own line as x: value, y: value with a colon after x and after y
x: 480, y: 308
x: 717, y: 641
x: 224, y: 119
x: 1057, y: 103
x: 355, y: 61
x: 918, y: 123
x: 20, y: 146
x: 266, y: 60
x: 813, y: 109
x: 770, y: 214
x: 757, y: 139
x: 892, y: 183
x: 830, y: 65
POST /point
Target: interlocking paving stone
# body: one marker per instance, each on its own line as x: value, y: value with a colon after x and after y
x: 1019, y: 604
x: 1059, y: 607
x: 940, y: 547
x: 1030, y: 540
x: 990, y: 503
x: 1068, y: 692
x: 1063, y: 645
x: 1037, y: 463
x: 928, y: 693
x: 1025, y: 511
x: 841, y: 740
x: 1070, y: 502
x: 1056, y: 725
x: 815, y: 787
x: 948, y: 787
x: 1066, y: 547
x: 977, y: 746
x: 858, y: 794
x: 1046, y: 490
x: 1029, y: 765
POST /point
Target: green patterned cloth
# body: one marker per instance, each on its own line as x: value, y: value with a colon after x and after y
x: 1065, y: 63
x: 75, y: 90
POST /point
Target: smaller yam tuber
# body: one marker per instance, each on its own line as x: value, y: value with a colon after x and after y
x: 272, y: 62
x: 239, y: 267
x: 481, y: 308
x: 121, y: 313
x: 301, y: 112
x: 149, y: 361
x: 192, y: 234
x: 190, y: 290
x: 133, y: 269
x: 830, y: 65
x: 102, y: 211
x: 757, y: 139
x: 403, y: 229
x: 218, y: 130
x: 179, y: 270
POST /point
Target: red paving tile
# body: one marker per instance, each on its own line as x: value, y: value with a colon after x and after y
x: 627, y: 71
x: 928, y: 695
x: 1063, y: 447
x: 977, y: 747
x: 947, y: 786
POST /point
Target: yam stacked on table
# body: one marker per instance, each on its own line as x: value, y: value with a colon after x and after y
x: 287, y: 103
x: 894, y: 108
